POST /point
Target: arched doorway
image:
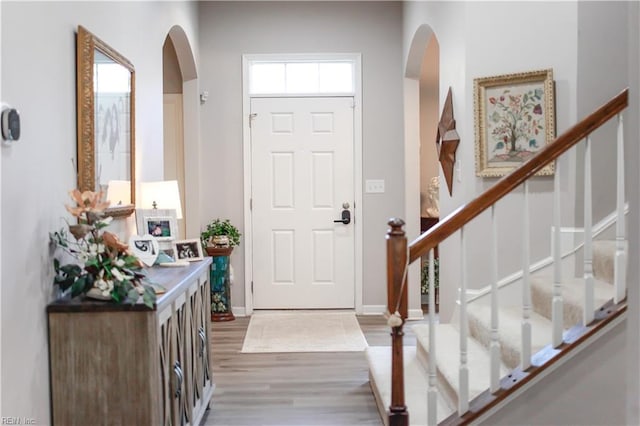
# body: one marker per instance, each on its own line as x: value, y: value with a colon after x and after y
x: 422, y: 93
x: 181, y: 126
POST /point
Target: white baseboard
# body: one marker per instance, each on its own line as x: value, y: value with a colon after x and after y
x: 415, y: 314
x: 373, y: 309
x: 239, y: 311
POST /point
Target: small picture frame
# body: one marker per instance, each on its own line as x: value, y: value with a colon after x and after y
x: 189, y: 250
x: 514, y: 119
x: 144, y: 247
x: 161, y: 224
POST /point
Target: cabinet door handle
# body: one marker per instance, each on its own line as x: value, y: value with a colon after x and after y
x: 203, y: 340
x: 177, y: 369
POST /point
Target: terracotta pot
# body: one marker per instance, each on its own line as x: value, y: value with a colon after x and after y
x: 218, y: 251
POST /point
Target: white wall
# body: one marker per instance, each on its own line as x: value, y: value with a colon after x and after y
x: 474, y: 38
x: 528, y: 49
x: 172, y: 76
x: 230, y: 29
x: 602, y: 74
x: 568, y: 37
x: 447, y: 21
x: 38, y: 78
x: 429, y: 117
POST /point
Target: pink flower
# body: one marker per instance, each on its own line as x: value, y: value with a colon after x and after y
x: 87, y: 201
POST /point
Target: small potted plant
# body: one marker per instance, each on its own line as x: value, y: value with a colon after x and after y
x: 218, y: 239
x: 219, y: 234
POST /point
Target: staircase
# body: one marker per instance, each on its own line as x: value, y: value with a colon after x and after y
x: 478, y: 351
x: 497, y: 347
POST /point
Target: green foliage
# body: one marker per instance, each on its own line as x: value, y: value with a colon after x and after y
x: 221, y: 227
x: 99, y: 263
x: 424, y: 278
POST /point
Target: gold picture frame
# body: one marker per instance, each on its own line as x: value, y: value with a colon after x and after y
x: 514, y: 119
x: 105, y: 119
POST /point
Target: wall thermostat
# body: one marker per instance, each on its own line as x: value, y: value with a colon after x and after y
x: 10, y: 124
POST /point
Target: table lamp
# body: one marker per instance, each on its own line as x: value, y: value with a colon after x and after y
x: 161, y: 195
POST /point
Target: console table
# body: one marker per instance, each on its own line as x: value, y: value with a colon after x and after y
x: 128, y: 364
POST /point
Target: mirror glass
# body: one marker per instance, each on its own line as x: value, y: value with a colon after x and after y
x: 106, y: 140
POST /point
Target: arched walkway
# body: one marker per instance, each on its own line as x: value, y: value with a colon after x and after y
x: 190, y: 130
x: 421, y: 94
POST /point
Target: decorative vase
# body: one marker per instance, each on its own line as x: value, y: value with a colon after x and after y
x: 95, y: 293
x: 220, y: 283
x: 220, y: 240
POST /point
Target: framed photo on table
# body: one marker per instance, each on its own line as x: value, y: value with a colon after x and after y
x: 514, y: 119
x: 162, y: 224
x: 189, y: 250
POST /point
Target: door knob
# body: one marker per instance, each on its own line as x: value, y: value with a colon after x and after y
x: 346, y: 217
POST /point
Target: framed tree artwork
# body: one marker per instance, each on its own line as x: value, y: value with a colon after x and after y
x: 514, y: 119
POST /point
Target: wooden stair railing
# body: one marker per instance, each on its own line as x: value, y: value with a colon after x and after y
x: 400, y: 255
x: 397, y: 302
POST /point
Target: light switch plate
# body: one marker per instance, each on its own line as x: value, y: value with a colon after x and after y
x: 374, y: 186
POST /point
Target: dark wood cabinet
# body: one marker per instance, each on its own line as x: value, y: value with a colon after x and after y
x: 425, y: 224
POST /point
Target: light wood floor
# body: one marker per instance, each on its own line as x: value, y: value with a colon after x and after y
x: 300, y: 389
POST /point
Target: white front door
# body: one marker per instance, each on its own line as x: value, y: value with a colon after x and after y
x: 302, y: 175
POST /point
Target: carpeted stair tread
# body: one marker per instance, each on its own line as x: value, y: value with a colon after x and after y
x: 415, y: 381
x: 510, y: 330
x: 448, y: 359
x: 604, y: 252
x: 572, y: 294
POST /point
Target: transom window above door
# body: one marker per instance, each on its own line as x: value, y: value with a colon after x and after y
x: 297, y: 77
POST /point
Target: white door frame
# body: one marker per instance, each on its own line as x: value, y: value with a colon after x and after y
x: 357, y: 166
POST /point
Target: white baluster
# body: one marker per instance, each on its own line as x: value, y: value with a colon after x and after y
x: 432, y: 393
x: 620, y: 260
x: 494, y: 346
x: 556, y: 303
x: 587, y: 315
x: 526, y: 285
x: 463, y: 388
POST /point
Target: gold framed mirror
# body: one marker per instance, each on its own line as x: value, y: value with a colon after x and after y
x: 106, y: 122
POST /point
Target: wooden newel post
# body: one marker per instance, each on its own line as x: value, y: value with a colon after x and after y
x: 396, y: 264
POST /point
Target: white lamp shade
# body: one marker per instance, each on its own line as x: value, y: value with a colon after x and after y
x: 165, y: 195
x: 119, y: 192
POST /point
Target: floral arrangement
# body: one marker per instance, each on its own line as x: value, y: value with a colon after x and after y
x: 102, y: 266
